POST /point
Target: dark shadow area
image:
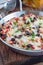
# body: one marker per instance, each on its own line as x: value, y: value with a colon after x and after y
x: 32, y: 61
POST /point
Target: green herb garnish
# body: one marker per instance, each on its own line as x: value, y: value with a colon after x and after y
x: 14, y: 23
x: 33, y: 35
x: 12, y: 34
x: 22, y: 27
x: 29, y: 48
x: 31, y: 20
x: 17, y: 31
x: 40, y: 23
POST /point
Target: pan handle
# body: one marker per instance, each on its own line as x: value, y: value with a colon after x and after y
x: 20, y: 1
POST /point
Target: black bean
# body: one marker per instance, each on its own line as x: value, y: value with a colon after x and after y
x: 29, y: 45
x: 19, y: 36
x: 27, y: 33
x: 15, y: 36
x: 12, y: 39
x: 35, y: 18
x: 33, y: 27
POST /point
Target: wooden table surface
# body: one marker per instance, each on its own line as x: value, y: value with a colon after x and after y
x: 8, y: 56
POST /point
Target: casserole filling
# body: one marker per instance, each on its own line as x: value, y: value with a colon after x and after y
x: 24, y: 32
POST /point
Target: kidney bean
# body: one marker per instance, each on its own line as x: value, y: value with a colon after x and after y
x: 27, y: 33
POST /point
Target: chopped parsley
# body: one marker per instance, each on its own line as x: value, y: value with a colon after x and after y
x: 31, y: 19
x: 29, y: 48
x: 22, y: 27
x: 33, y: 35
x: 40, y: 23
x: 17, y: 31
x: 14, y: 23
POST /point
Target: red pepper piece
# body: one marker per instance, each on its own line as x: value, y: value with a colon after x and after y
x: 32, y: 47
x: 16, y: 19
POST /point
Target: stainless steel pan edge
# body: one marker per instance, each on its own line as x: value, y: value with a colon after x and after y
x: 22, y: 51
